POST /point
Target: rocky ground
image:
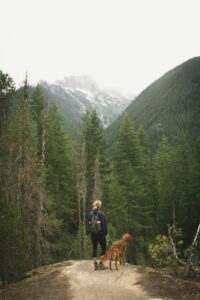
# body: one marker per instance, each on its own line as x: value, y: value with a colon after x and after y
x: 78, y: 280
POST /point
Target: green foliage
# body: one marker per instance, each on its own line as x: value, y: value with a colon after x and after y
x: 7, y: 91
x: 168, y: 106
x: 131, y: 187
x: 38, y: 104
x: 113, y: 234
x: 59, y: 180
x: 14, y: 244
x: 59, y: 172
x: 194, y: 184
x: 93, y: 141
x: 116, y: 209
x: 165, y: 184
x: 48, y: 181
x: 160, y: 251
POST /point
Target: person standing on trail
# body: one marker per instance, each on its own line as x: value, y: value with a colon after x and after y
x: 97, y: 227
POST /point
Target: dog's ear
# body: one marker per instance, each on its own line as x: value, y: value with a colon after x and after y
x: 127, y: 237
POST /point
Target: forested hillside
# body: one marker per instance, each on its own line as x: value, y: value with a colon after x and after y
x: 48, y: 180
x: 168, y: 106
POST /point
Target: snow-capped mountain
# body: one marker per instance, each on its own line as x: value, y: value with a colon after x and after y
x: 75, y: 95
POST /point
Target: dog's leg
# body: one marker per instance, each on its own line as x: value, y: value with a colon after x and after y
x: 121, y: 259
x: 116, y: 259
x: 124, y: 256
x: 110, y: 264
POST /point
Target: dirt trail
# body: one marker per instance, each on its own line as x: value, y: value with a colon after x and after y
x: 77, y: 280
x: 87, y: 284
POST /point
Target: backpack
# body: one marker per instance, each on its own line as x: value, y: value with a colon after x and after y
x: 95, y: 223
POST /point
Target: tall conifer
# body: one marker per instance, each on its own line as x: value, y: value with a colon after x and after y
x: 60, y: 183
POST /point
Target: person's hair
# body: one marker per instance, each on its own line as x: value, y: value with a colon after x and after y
x: 96, y: 204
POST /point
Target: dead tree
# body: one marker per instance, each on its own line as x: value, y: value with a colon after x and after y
x: 190, y: 264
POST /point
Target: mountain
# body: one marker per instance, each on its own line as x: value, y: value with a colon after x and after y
x: 168, y: 106
x: 75, y: 95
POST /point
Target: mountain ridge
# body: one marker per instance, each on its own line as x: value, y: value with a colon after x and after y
x: 169, y: 105
x: 76, y: 95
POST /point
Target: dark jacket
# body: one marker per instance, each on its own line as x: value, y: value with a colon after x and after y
x: 102, y: 219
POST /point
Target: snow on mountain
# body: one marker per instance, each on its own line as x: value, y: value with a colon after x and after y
x: 75, y: 95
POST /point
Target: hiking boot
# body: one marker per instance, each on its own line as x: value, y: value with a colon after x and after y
x: 102, y: 267
x: 96, y: 266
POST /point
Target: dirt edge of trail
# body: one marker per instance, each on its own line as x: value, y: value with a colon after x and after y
x: 159, y: 283
x: 42, y: 283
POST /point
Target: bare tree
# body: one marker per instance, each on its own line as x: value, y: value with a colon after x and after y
x: 191, y: 264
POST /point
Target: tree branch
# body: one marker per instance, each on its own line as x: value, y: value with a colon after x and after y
x: 174, y: 250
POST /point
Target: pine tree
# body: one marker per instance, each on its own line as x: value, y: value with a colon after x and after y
x: 89, y: 162
x: 183, y: 171
x: 11, y: 229
x: 175, y: 182
x: 39, y: 105
x: 195, y: 186
x: 94, y: 155
x: 23, y: 196
x: 81, y: 190
x: 27, y: 172
x: 59, y: 183
x: 166, y: 186
x: 126, y: 155
x: 129, y: 169
x: 7, y: 91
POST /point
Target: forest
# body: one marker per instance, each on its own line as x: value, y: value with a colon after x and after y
x: 49, y: 179
x: 167, y: 106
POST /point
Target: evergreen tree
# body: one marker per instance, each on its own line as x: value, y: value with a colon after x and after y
x: 23, y: 194
x: 129, y: 167
x: 7, y: 91
x: 127, y: 150
x: 89, y: 162
x: 14, y: 258
x: 26, y: 178
x: 173, y: 178
x: 39, y: 104
x: 195, y: 186
x: 59, y: 182
x: 94, y: 152
x: 8, y: 217
x: 165, y: 184
x: 81, y: 190
x: 184, y: 202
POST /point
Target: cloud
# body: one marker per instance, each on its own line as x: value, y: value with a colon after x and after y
x: 125, y: 44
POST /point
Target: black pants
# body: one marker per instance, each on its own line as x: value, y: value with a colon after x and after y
x: 98, y: 238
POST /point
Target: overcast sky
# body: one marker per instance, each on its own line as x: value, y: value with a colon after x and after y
x: 123, y: 44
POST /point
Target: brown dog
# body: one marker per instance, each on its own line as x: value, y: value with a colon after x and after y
x: 122, y: 246
x: 117, y: 251
x: 111, y: 254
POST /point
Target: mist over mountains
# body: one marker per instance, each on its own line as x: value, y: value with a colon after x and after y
x: 77, y: 94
